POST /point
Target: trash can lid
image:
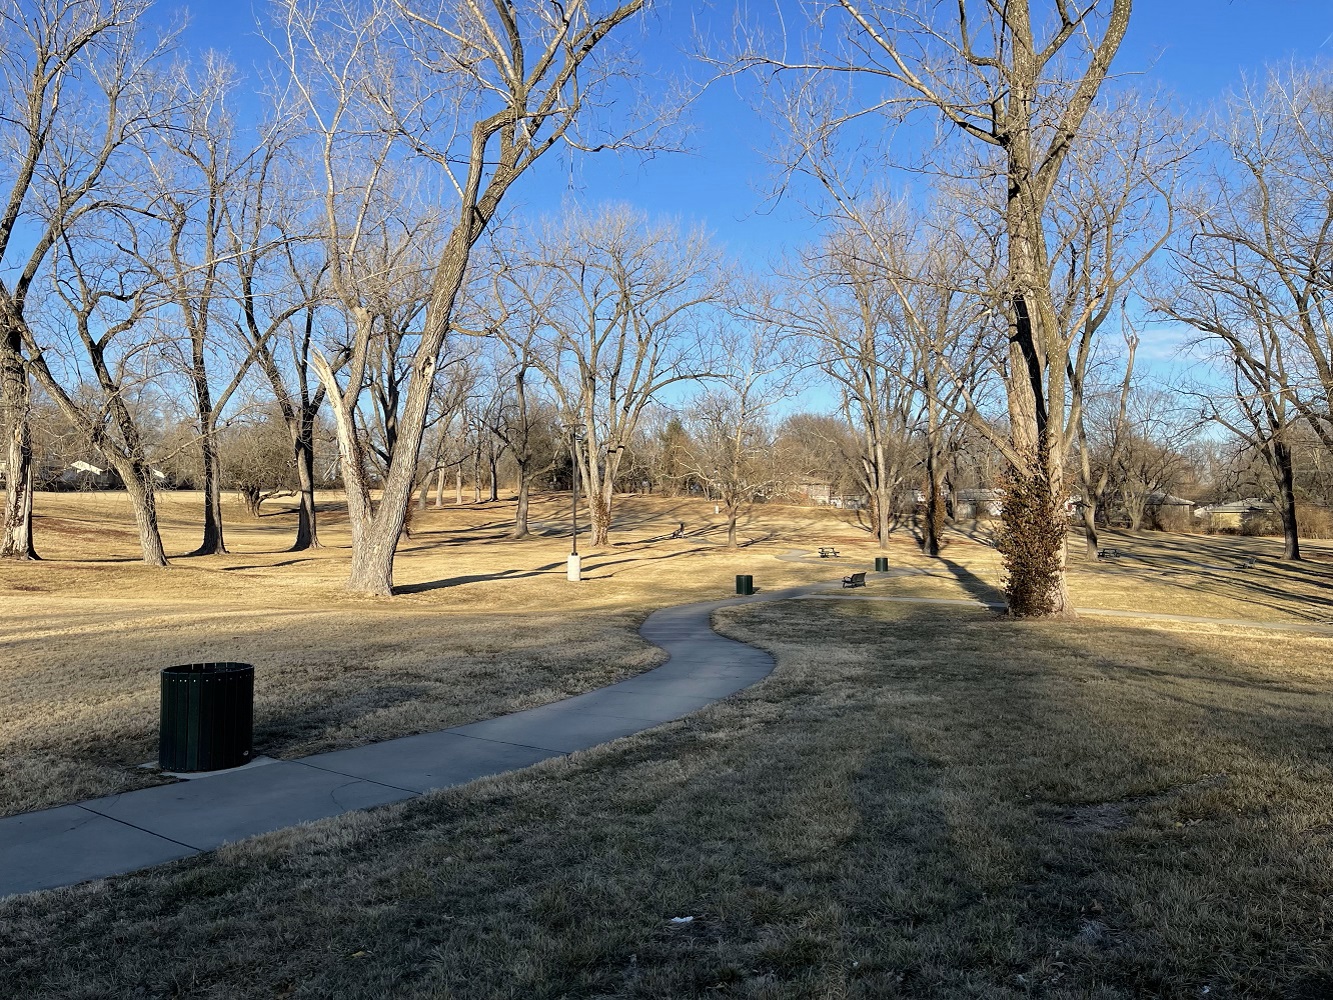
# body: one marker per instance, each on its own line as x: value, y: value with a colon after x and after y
x: 186, y: 669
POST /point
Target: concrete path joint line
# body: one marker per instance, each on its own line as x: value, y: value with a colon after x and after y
x: 116, y: 819
x: 355, y: 778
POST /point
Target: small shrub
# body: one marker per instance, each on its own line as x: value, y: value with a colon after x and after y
x: 1169, y: 517
x: 1267, y: 522
x: 1314, y: 521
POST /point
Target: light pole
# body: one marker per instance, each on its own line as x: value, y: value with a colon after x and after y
x: 573, y: 569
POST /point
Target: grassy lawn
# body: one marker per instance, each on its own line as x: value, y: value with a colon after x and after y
x: 485, y: 625
x: 918, y: 802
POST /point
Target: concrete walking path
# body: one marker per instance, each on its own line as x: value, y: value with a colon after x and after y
x: 134, y: 830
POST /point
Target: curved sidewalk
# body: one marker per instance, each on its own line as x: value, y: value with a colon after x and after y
x: 134, y: 830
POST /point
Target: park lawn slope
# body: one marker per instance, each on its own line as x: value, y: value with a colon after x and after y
x: 918, y: 802
x: 484, y: 625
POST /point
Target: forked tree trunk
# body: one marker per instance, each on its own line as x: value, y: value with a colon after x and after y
x: 1134, y: 505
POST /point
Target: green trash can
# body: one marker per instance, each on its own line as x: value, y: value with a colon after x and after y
x: 881, y: 564
x: 744, y: 585
x: 207, y: 718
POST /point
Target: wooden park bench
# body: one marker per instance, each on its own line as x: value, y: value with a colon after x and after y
x: 827, y: 551
x: 1108, y: 553
x: 679, y: 532
x: 855, y: 580
x: 1246, y: 563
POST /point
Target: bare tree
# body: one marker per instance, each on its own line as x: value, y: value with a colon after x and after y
x: 1020, y: 87
x: 477, y: 92
x: 195, y: 171
x: 1253, y: 277
x: 731, y: 443
x: 108, y: 362
x: 279, y: 305
x: 623, y: 304
x: 71, y: 79
x: 1099, y: 452
x: 1244, y: 332
x: 844, y: 307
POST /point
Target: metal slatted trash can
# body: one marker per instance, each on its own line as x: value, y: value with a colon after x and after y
x: 207, y: 720
x: 881, y: 564
x: 744, y: 585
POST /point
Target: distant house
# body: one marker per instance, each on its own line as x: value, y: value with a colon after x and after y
x: 815, y: 492
x: 82, y: 475
x: 1159, y: 498
x: 823, y: 494
x: 968, y: 505
x: 1234, y: 516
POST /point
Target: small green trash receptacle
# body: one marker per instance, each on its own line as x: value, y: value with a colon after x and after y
x: 744, y: 585
x: 881, y: 564
x: 207, y: 720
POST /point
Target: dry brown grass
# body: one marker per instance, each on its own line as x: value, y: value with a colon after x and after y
x: 484, y: 626
x: 918, y: 803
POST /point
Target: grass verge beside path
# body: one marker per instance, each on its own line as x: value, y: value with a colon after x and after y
x: 918, y: 802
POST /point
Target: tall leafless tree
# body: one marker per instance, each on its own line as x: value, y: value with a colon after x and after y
x: 624, y: 309
x: 1018, y: 84
x: 73, y: 81
x: 477, y: 91
x: 730, y: 449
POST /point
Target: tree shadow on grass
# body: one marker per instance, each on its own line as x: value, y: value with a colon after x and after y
x: 459, y: 581
x: 974, y: 585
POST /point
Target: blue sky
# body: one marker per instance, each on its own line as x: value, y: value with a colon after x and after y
x: 1194, y: 48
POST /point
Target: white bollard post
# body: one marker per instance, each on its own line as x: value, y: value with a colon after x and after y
x: 573, y: 568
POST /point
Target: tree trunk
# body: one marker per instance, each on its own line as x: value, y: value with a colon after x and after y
x: 17, y: 540
x: 458, y: 485
x: 495, y: 483
x: 733, y: 515
x: 599, y: 517
x: 307, y: 531
x: 439, y: 488
x: 138, y: 477
x: 934, y: 519
x: 1034, y: 525
x: 1291, y: 540
x: 213, y: 543
x: 1089, y: 511
x: 521, y: 514
x: 16, y: 530
x: 1134, y: 508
